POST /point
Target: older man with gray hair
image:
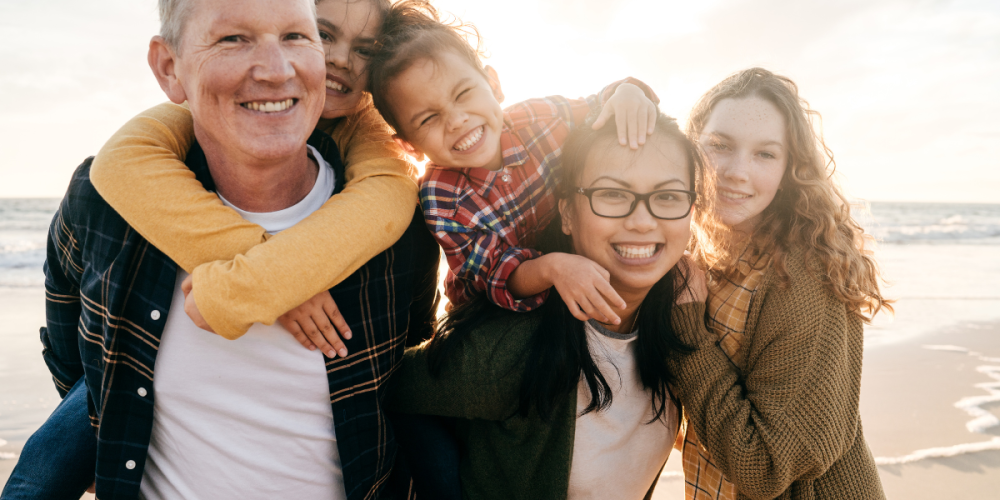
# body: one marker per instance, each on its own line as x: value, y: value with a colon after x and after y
x: 181, y: 413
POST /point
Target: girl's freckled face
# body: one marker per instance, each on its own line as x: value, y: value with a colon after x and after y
x: 745, y: 143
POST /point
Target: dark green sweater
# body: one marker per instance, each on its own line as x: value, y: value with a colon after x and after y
x: 502, y: 458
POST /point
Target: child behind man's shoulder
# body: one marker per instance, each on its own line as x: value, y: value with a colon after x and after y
x: 491, y: 179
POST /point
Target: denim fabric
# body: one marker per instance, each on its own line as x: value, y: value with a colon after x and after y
x: 58, y: 460
x: 430, y: 452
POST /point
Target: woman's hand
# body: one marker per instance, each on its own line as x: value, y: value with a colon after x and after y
x: 316, y: 322
x: 635, y: 115
x: 696, y: 289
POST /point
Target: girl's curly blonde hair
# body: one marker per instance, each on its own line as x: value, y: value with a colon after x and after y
x: 810, y: 209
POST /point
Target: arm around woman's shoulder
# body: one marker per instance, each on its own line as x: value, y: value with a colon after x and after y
x: 481, y: 378
x: 222, y: 250
x: 793, y: 410
x: 364, y: 219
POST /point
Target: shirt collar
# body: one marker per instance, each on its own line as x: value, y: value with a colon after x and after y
x: 324, y: 144
x: 514, y: 155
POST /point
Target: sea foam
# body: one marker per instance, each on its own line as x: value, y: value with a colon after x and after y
x: 974, y: 406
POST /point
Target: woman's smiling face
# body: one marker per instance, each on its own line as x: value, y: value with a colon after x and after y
x: 744, y: 140
x: 639, y: 249
x: 348, y: 29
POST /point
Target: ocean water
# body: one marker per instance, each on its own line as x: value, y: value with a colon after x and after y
x: 942, y: 262
x: 24, y: 224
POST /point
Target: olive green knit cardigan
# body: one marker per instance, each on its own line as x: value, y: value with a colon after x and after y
x: 787, y: 425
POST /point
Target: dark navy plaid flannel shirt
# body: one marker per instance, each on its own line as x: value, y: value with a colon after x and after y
x: 108, y: 292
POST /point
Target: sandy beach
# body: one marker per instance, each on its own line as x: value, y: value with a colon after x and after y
x: 936, y: 353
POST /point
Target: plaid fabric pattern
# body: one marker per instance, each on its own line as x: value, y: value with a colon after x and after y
x: 727, y: 311
x: 486, y: 225
x: 108, y: 292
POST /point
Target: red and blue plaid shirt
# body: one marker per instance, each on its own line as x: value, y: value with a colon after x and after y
x: 487, y: 225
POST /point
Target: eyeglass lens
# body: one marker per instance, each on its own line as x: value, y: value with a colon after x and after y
x: 667, y: 204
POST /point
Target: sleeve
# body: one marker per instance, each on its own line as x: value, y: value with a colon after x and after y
x: 574, y: 112
x: 480, y: 380
x: 794, y: 410
x: 63, y: 269
x: 237, y: 282
x: 480, y: 261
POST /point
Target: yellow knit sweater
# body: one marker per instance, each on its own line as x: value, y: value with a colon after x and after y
x: 140, y: 172
x: 787, y: 425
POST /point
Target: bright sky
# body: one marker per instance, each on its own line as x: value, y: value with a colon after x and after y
x: 908, y: 89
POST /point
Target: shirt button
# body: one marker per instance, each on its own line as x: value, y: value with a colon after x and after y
x: 155, y: 315
x: 142, y: 391
x: 130, y: 464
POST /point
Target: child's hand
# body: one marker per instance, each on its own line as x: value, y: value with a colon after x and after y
x: 316, y: 323
x: 634, y: 114
x: 585, y: 287
x: 191, y: 308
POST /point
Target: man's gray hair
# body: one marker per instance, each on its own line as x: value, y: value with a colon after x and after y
x: 173, y: 14
x: 173, y: 18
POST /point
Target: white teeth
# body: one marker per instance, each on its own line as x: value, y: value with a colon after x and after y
x: 635, y: 252
x: 471, y: 139
x: 733, y: 196
x: 330, y: 84
x: 269, y: 107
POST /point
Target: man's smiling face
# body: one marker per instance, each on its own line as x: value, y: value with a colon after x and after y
x: 253, y: 74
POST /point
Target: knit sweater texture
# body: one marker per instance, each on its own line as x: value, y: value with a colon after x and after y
x: 787, y: 425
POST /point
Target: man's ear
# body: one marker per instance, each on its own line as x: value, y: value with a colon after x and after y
x: 564, y: 215
x: 494, y: 80
x: 410, y: 149
x: 162, y: 60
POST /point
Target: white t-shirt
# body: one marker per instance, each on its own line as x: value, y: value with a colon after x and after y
x: 616, y: 453
x: 244, y: 418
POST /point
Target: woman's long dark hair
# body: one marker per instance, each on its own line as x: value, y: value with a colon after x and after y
x: 558, y: 353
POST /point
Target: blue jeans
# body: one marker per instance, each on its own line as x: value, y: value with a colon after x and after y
x: 430, y: 453
x: 58, y: 460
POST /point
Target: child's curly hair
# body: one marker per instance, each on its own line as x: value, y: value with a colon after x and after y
x: 414, y: 30
x: 810, y: 209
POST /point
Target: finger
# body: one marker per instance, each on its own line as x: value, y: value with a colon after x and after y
x: 187, y: 285
x: 611, y: 295
x: 651, y: 114
x: 592, y: 312
x: 641, y: 126
x: 602, y: 307
x: 602, y: 118
x: 603, y: 272
x: 577, y: 313
x: 296, y: 331
x: 191, y: 308
x: 633, y: 134
x: 330, y: 308
x: 316, y: 336
x: 621, y: 121
x: 330, y: 333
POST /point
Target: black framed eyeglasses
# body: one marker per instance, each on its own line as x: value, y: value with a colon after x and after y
x: 615, y: 203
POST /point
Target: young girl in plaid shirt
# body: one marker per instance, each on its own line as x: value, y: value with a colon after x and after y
x: 489, y: 186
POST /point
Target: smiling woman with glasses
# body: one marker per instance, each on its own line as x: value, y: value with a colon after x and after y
x: 552, y: 407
